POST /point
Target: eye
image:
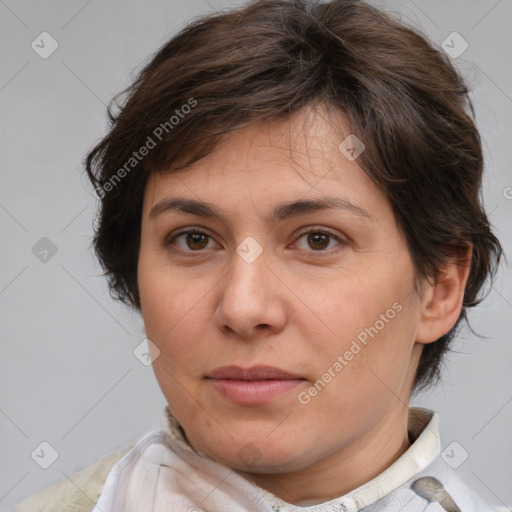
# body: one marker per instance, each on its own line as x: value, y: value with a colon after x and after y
x: 319, y: 240
x: 192, y: 240
x: 195, y: 240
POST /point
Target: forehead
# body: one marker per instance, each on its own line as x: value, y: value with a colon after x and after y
x: 265, y: 163
x: 306, y: 142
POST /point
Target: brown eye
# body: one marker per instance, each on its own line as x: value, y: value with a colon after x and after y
x: 190, y: 240
x: 318, y: 240
x: 196, y: 240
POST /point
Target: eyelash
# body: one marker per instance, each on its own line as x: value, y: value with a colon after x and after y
x: 315, y: 230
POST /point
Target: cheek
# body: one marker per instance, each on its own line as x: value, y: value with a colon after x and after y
x: 362, y: 376
x: 174, y: 318
x: 355, y: 307
x: 366, y: 321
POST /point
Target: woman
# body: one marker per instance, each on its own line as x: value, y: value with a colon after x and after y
x: 290, y: 198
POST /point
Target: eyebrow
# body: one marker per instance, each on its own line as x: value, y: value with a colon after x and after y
x: 278, y: 213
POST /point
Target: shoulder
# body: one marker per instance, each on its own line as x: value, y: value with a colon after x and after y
x: 79, y: 493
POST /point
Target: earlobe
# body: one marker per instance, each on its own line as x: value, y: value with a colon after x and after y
x: 442, y: 300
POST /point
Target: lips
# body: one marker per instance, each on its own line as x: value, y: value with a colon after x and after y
x: 253, y: 373
x: 252, y: 386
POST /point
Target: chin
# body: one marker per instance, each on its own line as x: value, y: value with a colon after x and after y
x: 259, y: 456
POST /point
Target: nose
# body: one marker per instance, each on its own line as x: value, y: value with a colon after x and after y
x: 250, y: 300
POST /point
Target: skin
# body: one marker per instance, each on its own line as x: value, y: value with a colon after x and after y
x: 298, y: 307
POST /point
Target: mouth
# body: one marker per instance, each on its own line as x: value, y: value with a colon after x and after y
x: 252, y: 386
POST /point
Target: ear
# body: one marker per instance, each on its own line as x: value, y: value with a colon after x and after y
x: 442, y: 301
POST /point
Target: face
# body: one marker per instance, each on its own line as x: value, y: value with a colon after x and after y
x: 286, y: 334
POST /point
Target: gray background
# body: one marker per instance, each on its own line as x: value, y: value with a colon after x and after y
x: 68, y: 375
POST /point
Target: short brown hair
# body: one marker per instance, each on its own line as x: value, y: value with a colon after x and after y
x: 270, y: 58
